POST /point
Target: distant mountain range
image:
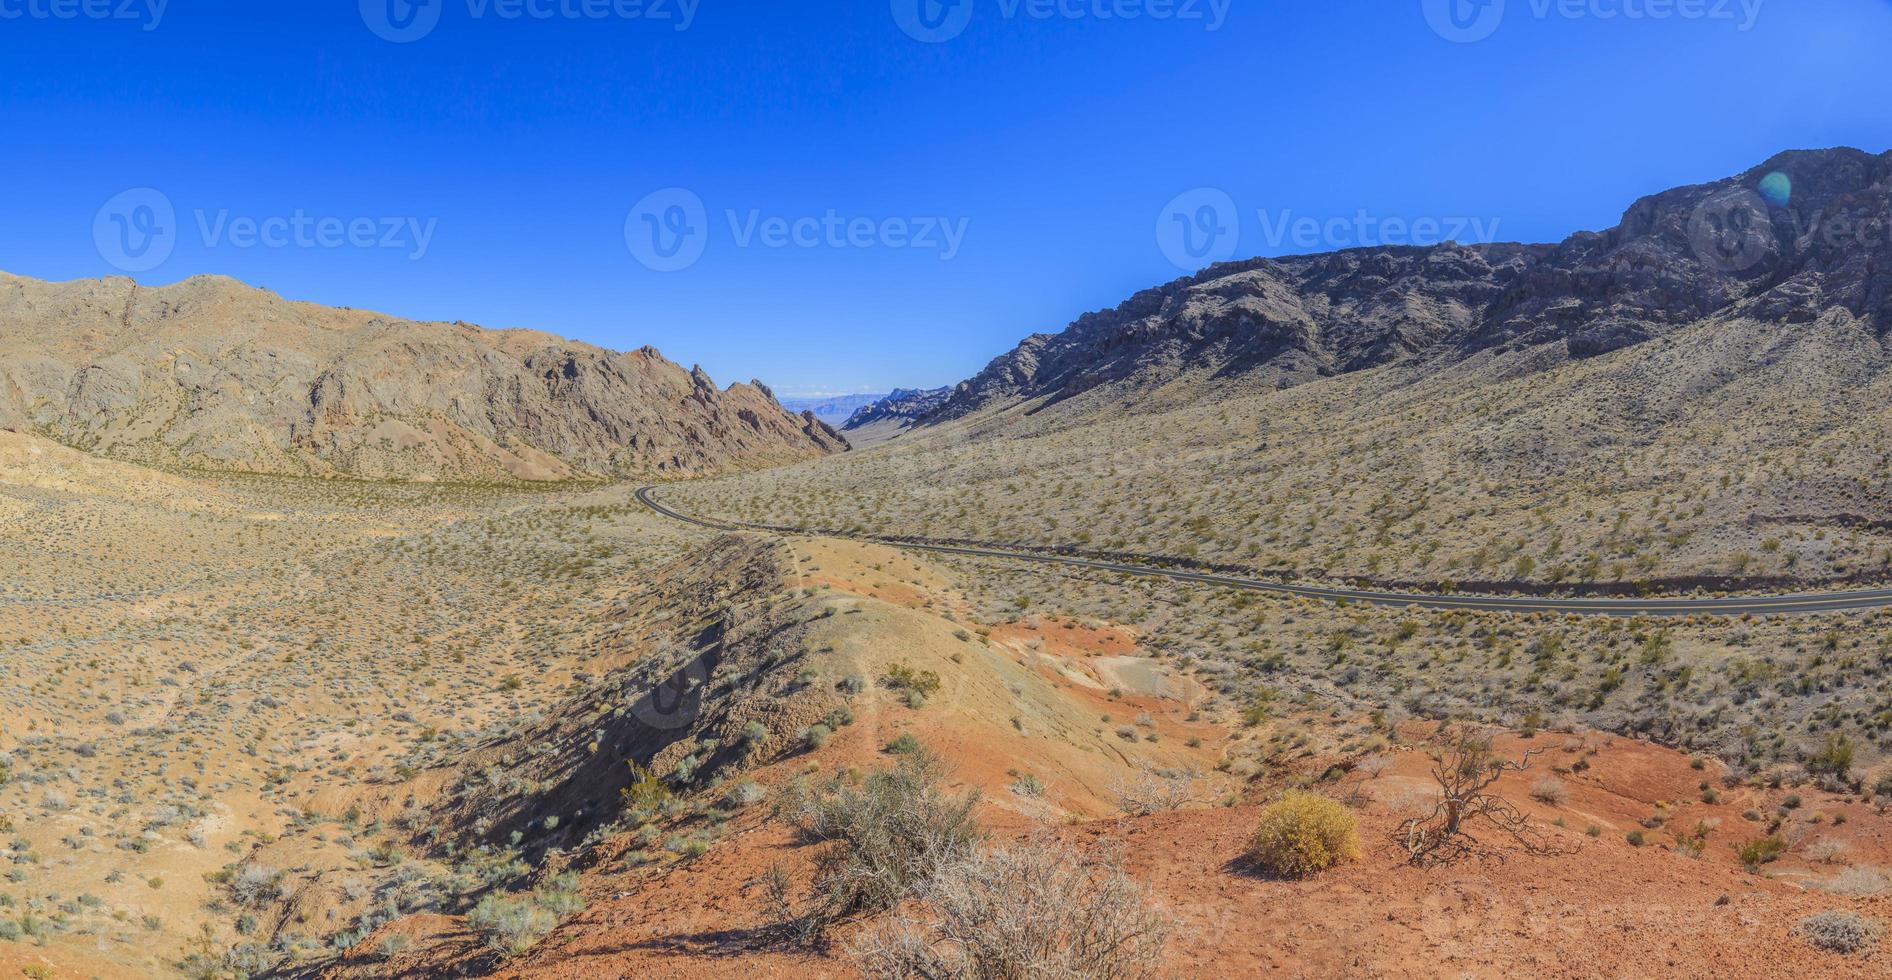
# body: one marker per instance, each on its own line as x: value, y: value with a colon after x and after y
x: 211, y: 373
x: 832, y: 409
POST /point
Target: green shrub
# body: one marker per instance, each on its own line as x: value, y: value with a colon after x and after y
x: 1761, y: 850
x: 646, y: 792
x: 1302, y: 834
x: 902, y: 677
x: 1835, y: 756
x: 511, y: 925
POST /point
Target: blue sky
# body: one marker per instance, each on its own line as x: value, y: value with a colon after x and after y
x: 875, y: 210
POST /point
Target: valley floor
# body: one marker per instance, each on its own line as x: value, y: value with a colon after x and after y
x: 310, y: 728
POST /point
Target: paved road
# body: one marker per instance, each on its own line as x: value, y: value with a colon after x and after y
x: 1799, y: 604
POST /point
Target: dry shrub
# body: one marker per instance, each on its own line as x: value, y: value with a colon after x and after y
x: 885, y: 837
x: 1038, y: 910
x: 1303, y: 834
x: 1858, y: 882
x: 1550, y: 790
x: 1825, y: 850
x: 1465, y: 770
x: 1838, y: 931
x: 1153, y: 791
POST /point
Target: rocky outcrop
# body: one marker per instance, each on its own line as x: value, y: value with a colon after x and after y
x: 211, y: 373
x: 1804, y: 232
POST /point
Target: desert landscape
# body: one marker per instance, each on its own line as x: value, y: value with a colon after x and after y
x: 343, y: 646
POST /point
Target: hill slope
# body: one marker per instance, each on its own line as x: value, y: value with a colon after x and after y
x: 211, y: 373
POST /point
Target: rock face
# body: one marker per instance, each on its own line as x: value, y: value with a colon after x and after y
x: 1805, y: 232
x: 211, y: 373
x: 904, y: 406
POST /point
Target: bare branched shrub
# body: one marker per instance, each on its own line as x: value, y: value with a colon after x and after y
x: 1373, y: 765
x: 885, y: 837
x: 1037, y: 910
x: 1825, y: 850
x: 254, y: 885
x: 1465, y: 771
x: 1153, y: 791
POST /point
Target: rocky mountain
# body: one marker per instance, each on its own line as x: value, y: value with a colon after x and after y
x: 1701, y: 395
x: 904, y: 406
x: 211, y: 373
x: 833, y: 409
x: 1805, y: 232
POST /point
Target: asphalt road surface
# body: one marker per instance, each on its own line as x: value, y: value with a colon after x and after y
x: 1797, y: 604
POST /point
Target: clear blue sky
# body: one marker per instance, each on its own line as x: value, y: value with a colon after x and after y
x: 1057, y: 141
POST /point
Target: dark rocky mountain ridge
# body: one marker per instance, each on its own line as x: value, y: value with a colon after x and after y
x: 904, y: 406
x: 1755, y: 245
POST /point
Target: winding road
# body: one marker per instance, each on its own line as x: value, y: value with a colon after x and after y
x: 1796, y: 604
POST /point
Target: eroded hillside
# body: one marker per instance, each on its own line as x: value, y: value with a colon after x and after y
x: 213, y: 374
